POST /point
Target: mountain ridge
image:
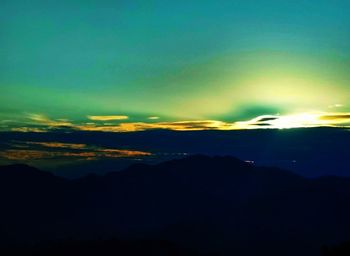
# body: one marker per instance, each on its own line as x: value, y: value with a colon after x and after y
x: 209, y: 204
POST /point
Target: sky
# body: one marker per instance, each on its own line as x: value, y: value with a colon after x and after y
x: 181, y: 65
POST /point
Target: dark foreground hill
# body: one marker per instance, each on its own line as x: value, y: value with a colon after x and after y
x: 217, y: 205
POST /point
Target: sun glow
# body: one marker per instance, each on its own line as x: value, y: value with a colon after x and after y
x: 299, y: 120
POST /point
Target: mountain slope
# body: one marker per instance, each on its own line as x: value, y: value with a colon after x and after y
x: 217, y: 204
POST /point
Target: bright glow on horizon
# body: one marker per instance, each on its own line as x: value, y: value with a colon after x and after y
x: 42, y: 123
x: 302, y: 120
x: 294, y: 121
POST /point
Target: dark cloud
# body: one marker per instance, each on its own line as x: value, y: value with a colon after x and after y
x: 266, y: 119
x: 262, y: 124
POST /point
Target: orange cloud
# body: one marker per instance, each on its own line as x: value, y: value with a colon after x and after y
x: 58, y: 145
x: 24, y: 151
x: 14, y: 154
x: 118, y: 152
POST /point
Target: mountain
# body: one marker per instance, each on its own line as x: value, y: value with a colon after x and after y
x: 216, y: 205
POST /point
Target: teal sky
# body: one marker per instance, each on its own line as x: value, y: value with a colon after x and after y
x: 176, y: 60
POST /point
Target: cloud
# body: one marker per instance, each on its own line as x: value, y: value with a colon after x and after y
x: 44, y: 120
x: 24, y: 151
x: 28, y: 129
x: 25, y: 154
x: 176, y: 126
x: 336, y: 105
x: 153, y: 117
x: 123, y: 153
x: 22, y: 155
x: 266, y: 119
x: 107, y: 118
x: 58, y: 145
x: 306, y: 120
x: 336, y: 117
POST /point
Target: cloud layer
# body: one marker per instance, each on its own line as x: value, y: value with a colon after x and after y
x: 30, y: 150
x: 42, y: 123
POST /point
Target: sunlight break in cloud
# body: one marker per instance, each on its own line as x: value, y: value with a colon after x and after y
x: 107, y: 118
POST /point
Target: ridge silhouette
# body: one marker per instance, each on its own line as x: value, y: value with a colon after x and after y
x: 207, y: 204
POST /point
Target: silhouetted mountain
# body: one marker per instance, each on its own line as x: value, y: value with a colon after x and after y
x: 110, y: 247
x: 208, y: 204
x: 342, y: 249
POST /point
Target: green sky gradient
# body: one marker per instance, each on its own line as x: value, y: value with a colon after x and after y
x: 179, y: 60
